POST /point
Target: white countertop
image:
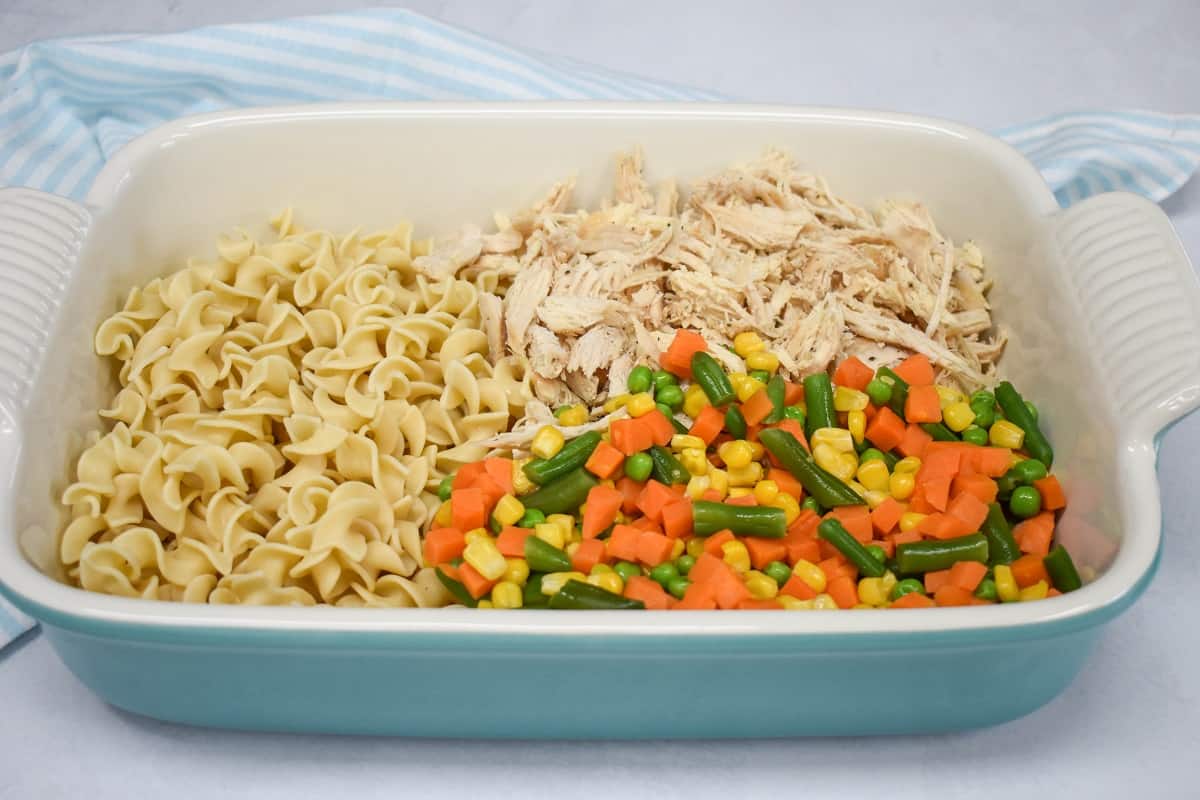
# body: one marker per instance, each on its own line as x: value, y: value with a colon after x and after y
x: 1128, y: 726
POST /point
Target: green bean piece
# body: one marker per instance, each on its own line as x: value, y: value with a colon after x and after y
x: 627, y: 569
x: 760, y: 375
x: 667, y: 468
x: 533, y: 593
x: 779, y: 572
x: 1061, y: 569
x: 975, y: 435
x: 709, y: 376
x: 899, y: 390
x: 735, y: 423
x: 530, y: 518
x: 495, y: 526
x: 1026, y: 501
x: 767, y: 522
x: 445, y: 488
x: 933, y: 555
x: 986, y: 590
x: 677, y: 425
x: 1002, y: 547
x: 456, y: 589
x: 545, y: 557
x: 1014, y: 408
x: 776, y: 389
x: 796, y: 413
x: 664, y: 573
x: 639, y: 380
x: 670, y: 395
x: 818, y: 399
x: 1032, y: 409
x: 877, y: 552
x: 662, y: 379
x: 564, y: 495
x: 573, y: 455
x: 684, y: 564
x: 879, y: 392
x: 579, y: 596
x: 907, y: 586
x: 827, y: 489
x: 939, y: 432
x: 678, y: 587
x: 832, y: 531
x: 638, y: 466
x: 1029, y: 470
x: 810, y: 504
x: 1006, y: 483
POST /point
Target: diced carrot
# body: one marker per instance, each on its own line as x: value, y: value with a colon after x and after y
x: 1053, y: 497
x: 466, y: 475
x: 856, y: 520
x: 500, y: 470
x: 937, y: 492
x: 793, y: 393
x: 951, y: 595
x: 886, y: 431
x: 630, y: 491
x: 511, y: 541
x: 698, y: 597
x: 886, y: 516
x: 661, y: 429
x: 787, y: 482
x: 906, y: 537
x: 837, y: 566
x: 654, y: 548
x: 730, y: 590
x: 808, y: 550
x: 936, y: 579
x: 639, y: 587
x: 915, y: 370
x: 1052, y: 592
x: 794, y: 587
x: 756, y: 409
x: 750, y: 604
x: 969, y: 508
x: 967, y: 574
x: 677, y: 358
x: 712, y: 545
x: 646, y: 524
x: 468, y: 509
x: 653, y: 497
x: 943, y: 526
x: 708, y: 423
x: 795, y: 429
x: 805, y: 525
x: 492, y: 491
x: 588, y: 554
x: 914, y: 442
x: 912, y: 600
x: 991, y: 461
x: 605, y: 461
x: 843, y: 591
x: 939, y: 463
x: 764, y: 551
x: 476, y: 584
x: 853, y: 373
x: 980, y: 487
x: 1034, y: 534
x: 870, y: 411
x: 918, y: 503
x: 712, y: 496
x: 744, y: 500
x: 623, y: 542
x: 1028, y: 570
x: 603, y: 503
x: 630, y: 436
x: 444, y: 544
x: 923, y: 405
x: 707, y: 568
x: 677, y: 519
x: 887, y: 545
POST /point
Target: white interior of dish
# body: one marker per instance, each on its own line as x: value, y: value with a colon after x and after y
x: 168, y: 195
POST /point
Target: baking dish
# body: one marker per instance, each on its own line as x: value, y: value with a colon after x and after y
x: 1100, y: 300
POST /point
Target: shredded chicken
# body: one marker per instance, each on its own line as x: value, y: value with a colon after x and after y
x: 762, y: 246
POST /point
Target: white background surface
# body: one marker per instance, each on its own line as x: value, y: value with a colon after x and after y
x: 1127, y: 727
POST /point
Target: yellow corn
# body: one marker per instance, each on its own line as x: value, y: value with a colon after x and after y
x: 824, y: 602
x: 677, y: 548
x: 958, y: 416
x: 760, y: 586
x: 764, y: 360
x: 477, y: 534
x: 757, y: 451
x: 947, y: 396
x: 856, y: 423
x: 546, y: 442
x: 695, y: 547
x: 598, y: 569
x: 697, y: 485
x: 506, y: 594
x: 847, y: 399
x: 735, y: 454
x: 858, y: 488
x: 718, y: 480
x: 745, y: 387
x: 735, y: 554
x: 901, y: 485
x: 875, y: 499
x: 873, y: 475
x: 694, y: 401
x: 517, y: 571
x: 789, y: 504
x: 640, y: 404
x: 573, y: 415
x: 483, y: 555
x: 613, y: 403
x: 574, y: 536
x: 790, y: 603
x: 811, y: 574
x: 572, y: 548
x: 889, y: 580
x: 685, y: 441
x: 910, y: 520
x: 565, y: 522
x: 907, y: 464
x: 765, y: 492
x: 521, y: 482
x: 508, y: 510
x: 748, y: 342
x: 1035, y: 592
x: 837, y: 438
x: 694, y: 460
x: 608, y: 581
x: 485, y: 604
x: 444, y: 516
x: 842, y: 465
x: 550, y: 533
x: 1006, y: 434
x: 739, y: 491
x: 1006, y: 585
x: 553, y: 581
x: 746, y: 476
x: 871, y: 592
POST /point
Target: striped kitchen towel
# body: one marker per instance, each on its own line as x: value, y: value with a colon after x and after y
x: 67, y: 105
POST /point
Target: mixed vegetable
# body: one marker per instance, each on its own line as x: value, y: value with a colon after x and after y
x: 864, y: 489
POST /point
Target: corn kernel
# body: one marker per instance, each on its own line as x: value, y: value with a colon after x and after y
x: 889, y: 580
x: 694, y: 460
x: 910, y: 520
x: 517, y: 571
x: 958, y: 416
x: 745, y: 387
x: 870, y: 591
x: 718, y: 481
x: 521, y: 483
x: 573, y: 415
x: 506, y: 594
x: 598, y: 569
x: 748, y: 342
x: 640, y: 404
x: 697, y: 485
x: 677, y: 548
x: 789, y: 504
x: 739, y: 491
x: 553, y: 581
x: 856, y: 423
x: 847, y: 399
x: 508, y: 510
x: 837, y: 438
x: 695, y: 547
x: 765, y: 492
x: 858, y: 488
x: 694, y: 401
x: 550, y: 533
x: 757, y: 451
x: 901, y: 485
x: 763, y: 360
x: 907, y: 464
x: 484, y: 604
x: 476, y: 534
x: 614, y: 403
x: 824, y: 602
x: 875, y: 499
x: 1037, y: 591
x: 735, y: 554
x: 832, y: 461
x: 1004, y: 433
x: 947, y: 396
x: 1006, y: 585
x: 760, y: 586
x: 873, y: 475
x: 574, y: 537
x: 546, y: 442
x: 685, y: 441
x: 746, y: 476
x: 608, y: 581
x: 444, y: 516
x: 811, y: 574
x: 735, y: 454
x: 790, y: 603
x: 483, y: 555
x: 565, y: 522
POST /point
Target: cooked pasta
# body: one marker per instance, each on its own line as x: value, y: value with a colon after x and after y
x: 284, y: 412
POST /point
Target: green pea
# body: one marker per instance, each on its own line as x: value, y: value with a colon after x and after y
x: 986, y: 589
x: 670, y: 395
x: 662, y: 379
x: 638, y: 466
x: 1032, y: 409
x: 678, y: 587
x: 879, y: 392
x: 1025, y: 502
x: 1029, y: 470
x: 664, y: 573
x: 983, y: 396
x: 907, y: 586
x: 627, y: 570
x: 530, y: 518
x: 684, y: 564
x: 639, y: 379
x: 760, y: 375
x: 870, y: 454
x: 975, y: 435
x: 665, y: 410
x: 877, y: 553
x: 445, y: 487
x: 796, y: 413
x: 983, y: 404
x: 810, y: 504
x: 778, y: 572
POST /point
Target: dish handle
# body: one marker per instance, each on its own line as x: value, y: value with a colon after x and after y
x: 1141, y: 303
x: 41, y: 236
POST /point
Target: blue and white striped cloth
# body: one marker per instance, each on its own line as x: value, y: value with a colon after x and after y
x: 67, y: 105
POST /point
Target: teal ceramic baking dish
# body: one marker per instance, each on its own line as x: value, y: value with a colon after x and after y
x: 1100, y: 301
